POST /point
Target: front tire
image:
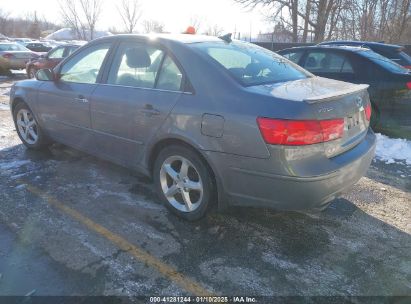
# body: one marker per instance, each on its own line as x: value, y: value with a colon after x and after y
x: 183, y: 182
x: 28, y: 128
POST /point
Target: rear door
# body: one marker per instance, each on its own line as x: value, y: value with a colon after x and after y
x: 64, y: 104
x: 332, y: 64
x: 141, y: 87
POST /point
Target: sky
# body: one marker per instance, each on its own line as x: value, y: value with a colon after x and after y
x: 174, y: 14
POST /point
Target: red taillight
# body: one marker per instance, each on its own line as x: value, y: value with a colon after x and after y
x: 368, y: 112
x: 407, y: 67
x: 8, y: 56
x: 408, y: 85
x: 299, y: 132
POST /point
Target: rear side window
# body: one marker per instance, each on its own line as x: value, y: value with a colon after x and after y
x: 294, y: 56
x: 251, y: 64
x: 170, y: 77
x: 327, y: 62
x: 135, y: 65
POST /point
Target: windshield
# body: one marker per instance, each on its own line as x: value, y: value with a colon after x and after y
x: 12, y: 47
x: 384, y: 62
x: 250, y: 64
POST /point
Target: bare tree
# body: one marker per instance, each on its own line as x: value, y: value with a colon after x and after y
x: 92, y: 12
x: 153, y: 26
x: 130, y: 12
x: 81, y: 16
x: 214, y: 30
x: 196, y: 22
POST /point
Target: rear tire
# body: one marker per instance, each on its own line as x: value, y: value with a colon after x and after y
x: 183, y: 182
x: 28, y: 128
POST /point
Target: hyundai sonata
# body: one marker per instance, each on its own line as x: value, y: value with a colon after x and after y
x: 211, y: 120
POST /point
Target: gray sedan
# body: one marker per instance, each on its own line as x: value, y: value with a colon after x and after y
x: 212, y: 121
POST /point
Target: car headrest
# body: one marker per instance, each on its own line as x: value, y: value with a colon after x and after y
x: 138, y: 57
x: 252, y: 69
x: 311, y: 62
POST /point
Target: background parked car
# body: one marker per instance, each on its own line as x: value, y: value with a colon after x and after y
x: 50, y: 60
x: 390, y: 83
x: 391, y: 51
x: 15, y: 56
x: 40, y: 47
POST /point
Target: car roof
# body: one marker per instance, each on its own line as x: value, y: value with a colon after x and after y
x: 182, y: 38
x: 328, y: 47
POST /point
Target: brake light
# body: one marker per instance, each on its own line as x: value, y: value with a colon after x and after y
x: 8, y: 56
x: 368, y: 111
x: 409, y: 85
x: 299, y: 132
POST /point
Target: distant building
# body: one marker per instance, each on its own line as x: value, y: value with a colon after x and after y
x: 70, y: 34
x: 280, y: 34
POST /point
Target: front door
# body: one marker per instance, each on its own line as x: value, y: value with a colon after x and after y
x: 64, y: 104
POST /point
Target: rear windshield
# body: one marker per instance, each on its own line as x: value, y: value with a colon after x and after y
x: 396, y: 55
x: 250, y: 64
x: 12, y: 47
x: 384, y: 62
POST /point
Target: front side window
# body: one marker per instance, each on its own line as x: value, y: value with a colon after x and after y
x: 57, y: 53
x: 251, y: 64
x: 327, y: 62
x: 135, y: 65
x: 85, y: 66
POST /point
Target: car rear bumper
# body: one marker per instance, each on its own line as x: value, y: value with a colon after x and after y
x: 245, y: 187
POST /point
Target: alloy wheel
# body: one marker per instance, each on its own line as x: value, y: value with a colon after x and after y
x: 181, y: 183
x: 27, y: 126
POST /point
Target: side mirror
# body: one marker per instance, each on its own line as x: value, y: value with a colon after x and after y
x: 45, y: 75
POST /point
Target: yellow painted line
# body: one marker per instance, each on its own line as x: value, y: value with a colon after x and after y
x: 140, y: 254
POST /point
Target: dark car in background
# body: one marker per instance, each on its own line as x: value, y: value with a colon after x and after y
x: 50, y: 60
x: 391, y: 51
x: 39, y: 47
x: 209, y: 119
x: 389, y: 83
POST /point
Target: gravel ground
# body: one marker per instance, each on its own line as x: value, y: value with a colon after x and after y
x: 73, y: 224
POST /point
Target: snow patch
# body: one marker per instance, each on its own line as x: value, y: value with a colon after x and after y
x: 4, y: 91
x: 13, y: 164
x: 393, y: 150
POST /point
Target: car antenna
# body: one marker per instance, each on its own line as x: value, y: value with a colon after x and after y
x: 226, y: 37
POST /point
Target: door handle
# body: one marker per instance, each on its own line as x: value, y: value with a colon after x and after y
x: 81, y: 98
x: 149, y: 110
